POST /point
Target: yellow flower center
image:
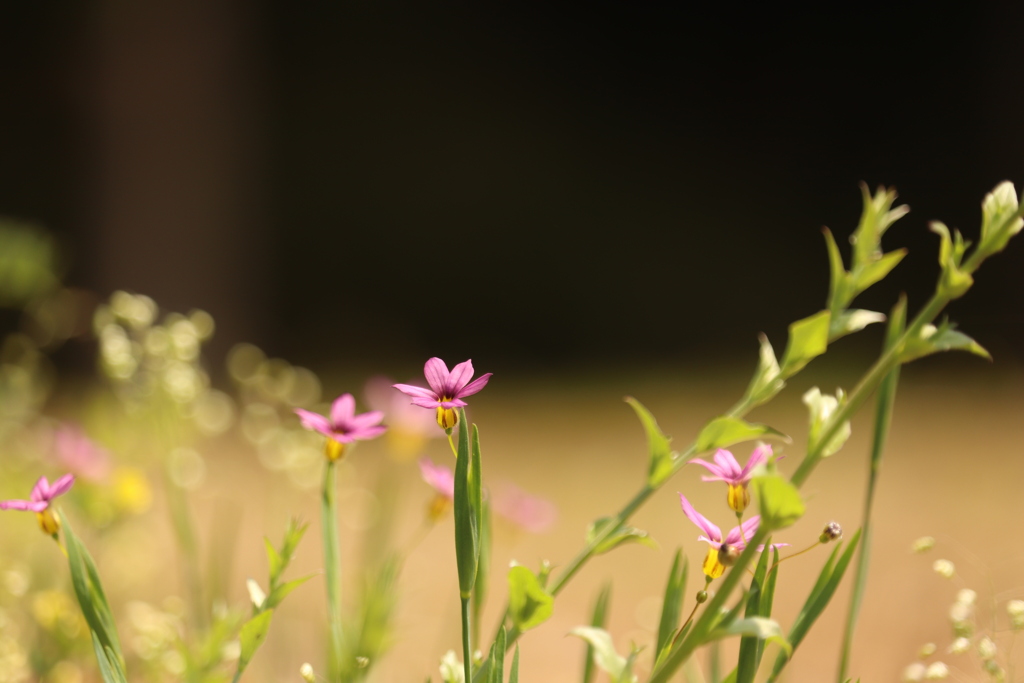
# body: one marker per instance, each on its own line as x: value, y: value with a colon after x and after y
x: 712, y: 567
x: 438, y: 507
x: 739, y: 497
x: 334, y: 450
x: 447, y: 417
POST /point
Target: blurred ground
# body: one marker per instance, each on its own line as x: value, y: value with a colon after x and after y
x: 952, y: 470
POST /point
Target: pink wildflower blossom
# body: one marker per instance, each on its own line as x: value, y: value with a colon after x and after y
x: 344, y: 426
x: 442, y: 480
x: 79, y: 453
x: 409, y: 426
x: 726, y: 468
x: 39, y: 501
x: 533, y: 513
x: 735, y: 540
x: 447, y: 389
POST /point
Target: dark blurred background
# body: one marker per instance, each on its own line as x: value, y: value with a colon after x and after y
x: 526, y: 184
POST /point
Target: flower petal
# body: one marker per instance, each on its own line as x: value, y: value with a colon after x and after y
x: 700, y: 520
x: 371, y: 432
x: 314, y: 421
x: 461, y: 374
x: 29, y: 505
x: 364, y: 420
x: 475, y: 386
x: 61, y: 486
x: 738, y: 539
x: 759, y: 456
x: 719, y: 475
x: 440, y: 478
x: 426, y: 401
x: 436, y: 373
x: 41, y: 491
x: 729, y: 466
x: 343, y: 409
x: 410, y: 390
x: 454, y: 403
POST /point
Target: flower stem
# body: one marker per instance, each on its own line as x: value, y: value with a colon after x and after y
x: 332, y: 571
x: 467, y: 650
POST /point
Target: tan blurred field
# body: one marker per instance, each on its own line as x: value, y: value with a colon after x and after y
x: 953, y: 469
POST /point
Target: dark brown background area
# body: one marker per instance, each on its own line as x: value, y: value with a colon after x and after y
x: 524, y: 184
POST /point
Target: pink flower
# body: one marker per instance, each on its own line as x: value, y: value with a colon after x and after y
x: 409, y: 426
x: 735, y: 541
x: 446, y: 389
x: 79, y: 453
x: 39, y: 501
x: 344, y: 426
x: 727, y: 469
x: 442, y: 480
x: 533, y: 513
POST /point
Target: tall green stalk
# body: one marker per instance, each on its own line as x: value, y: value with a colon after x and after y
x: 332, y: 570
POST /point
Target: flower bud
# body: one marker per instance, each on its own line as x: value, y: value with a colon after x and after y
x: 923, y: 544
x: 832, y: 532
x: 307, y: 673
x: 48, y: 522
x: 926, y: 651
x: 728, y: 554
x: 937, y: 671
x: 702, y: 597
x: 447, y: 418
x: 960, y: 646
x: 1015, y: 608
x: 986, y: 648
x: 944, y: 568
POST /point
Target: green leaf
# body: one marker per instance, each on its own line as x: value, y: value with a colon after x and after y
x: 757, y: 627
x: 840, y: 290
x: 274, y: 560
x: 497, y: 658
x: 89, y: 590
x: 622, y: 534
x: 808, y: 339
x: 292, y: 536
x: 598, y: 619
x: 876, y: 217
x: 529, y: 604
x: 766, y: 381
x: 828, y: 580
x: 750, y: 655
x: 605, y: 656
x: 467, y: 552
x: 1000, y: 218
x: 945, y: 337
x: 852, y: 320
x: 483, y: 566
x: 281, y: 591
x: 110, y: 667
x: 868, y: 274
x: 672, y: 603
x: 725, y: 431
x: 821, y: 407
x: 661, y: 456
x: 779, y: 501
x: 953, y: 282
x: 254, y: 632
x: 513, y: 674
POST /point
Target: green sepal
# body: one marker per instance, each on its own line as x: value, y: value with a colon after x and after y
x: 828, y: 580
x: 945, y: 337
x: 1000, y: 218
x: 779, y: 502
x: 281, y: 591
x: 621, y: 534
x: 876, y: 217
x: 820, y: 408
x: 605, y: 656
x: 254, y: 632
x: 808, y: 339
x: 529, y: 604
x: 467, y: 552
x: 661, y: 456
x: 598, y: 619
x: 672, y: 604
x: 725, y: 431
x: 766, y: 382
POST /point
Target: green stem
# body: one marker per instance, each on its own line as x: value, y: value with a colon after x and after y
x: 332, y: 570
x: 467, y: 650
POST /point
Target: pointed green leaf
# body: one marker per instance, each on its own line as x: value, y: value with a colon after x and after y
x: 725, y: 431
x: 671, y: 605
x: 483, y: 566
x: 808, y: 339
x: 89, y: 590
x: 598, y: 619
x: 852, y: 320
x: 868, y: 274
x: 273, y: 560
x: 110, y: 669
x: 282, y: 590
x: 661, y: 456
x: 529, y: 604
x: 254, y: 632
x: 513, y: 674
x: 945, y: 337
x: 497, y: 658
x: 757, y: 627
x: 749, y: 657
x: 779, y: 501
x: 840, y: 291
x: 466, y: 540
x: 622, y: 534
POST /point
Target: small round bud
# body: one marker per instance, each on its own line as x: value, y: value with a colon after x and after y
x: 993, y: 669
x: 986, y: 648
x: 926, y: 651
x: 1015, y: 608
x: 960, y: 646
x: 307, y: 673
x: 937, y: 671
x: 914, y: 672
x: 362, y: 662
x: 966, y: 596
x: 923, y: 544
x: 702, y: 597
x: 831, y: 532
x: 944, y: 568
x: 728, y: 554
